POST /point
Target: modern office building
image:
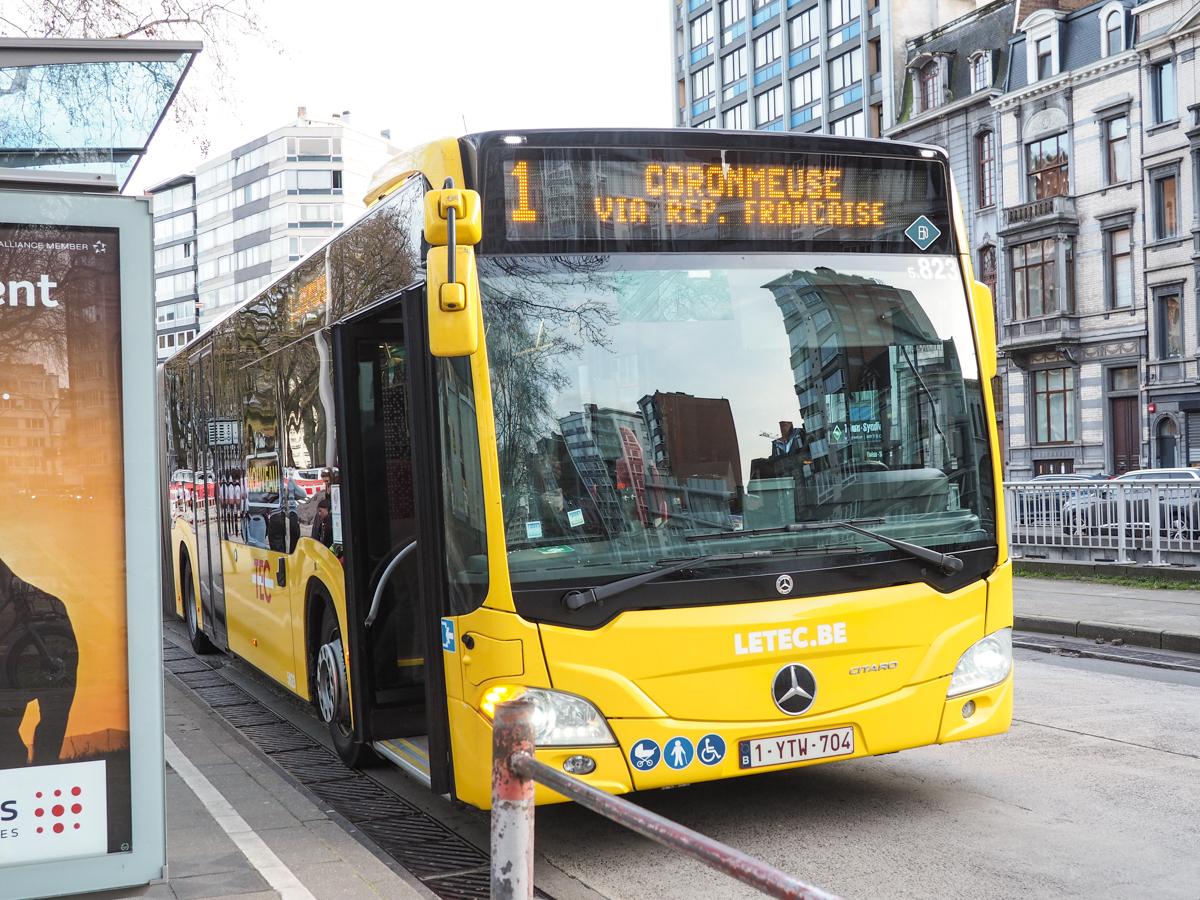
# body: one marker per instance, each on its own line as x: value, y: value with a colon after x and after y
x: 175, y: 308
x: 783, y: 65
x: 253, y: 212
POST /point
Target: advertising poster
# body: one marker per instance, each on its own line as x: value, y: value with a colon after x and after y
x: 64, y: 707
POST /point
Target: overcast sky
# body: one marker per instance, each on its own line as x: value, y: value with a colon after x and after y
x: 422, y: 67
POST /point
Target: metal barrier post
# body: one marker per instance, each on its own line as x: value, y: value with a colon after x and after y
x: 1123, y: 526
x: 512, y: 803
x: 1154, y: 515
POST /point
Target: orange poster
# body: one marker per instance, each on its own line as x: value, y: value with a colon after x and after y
x: 64, y: 716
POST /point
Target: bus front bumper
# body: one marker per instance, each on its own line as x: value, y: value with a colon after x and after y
x: 914, y: 716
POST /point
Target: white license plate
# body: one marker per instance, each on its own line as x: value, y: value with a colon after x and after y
x: 788, y: 748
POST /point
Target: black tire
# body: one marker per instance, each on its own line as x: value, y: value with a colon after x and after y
x: 341, y: 733
x: 198, y: 639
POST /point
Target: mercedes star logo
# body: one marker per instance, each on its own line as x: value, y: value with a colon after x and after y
x: 783, y: 584
x: 794, y: 689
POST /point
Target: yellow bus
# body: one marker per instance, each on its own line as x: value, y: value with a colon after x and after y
x: 685, y: 434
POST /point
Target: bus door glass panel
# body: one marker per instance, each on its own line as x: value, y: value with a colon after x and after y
x: 208, y: 538
x: 389, y: 516
x: 310, y: 470
x: 265, y: 525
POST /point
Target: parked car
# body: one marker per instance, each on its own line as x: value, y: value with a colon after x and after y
x: 1040, y: 503
x: 1178, y: 504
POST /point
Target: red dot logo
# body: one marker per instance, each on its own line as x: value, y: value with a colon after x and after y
x: 40, y: 829
x: 58, y: 793
x: 58, y: 827
x: 58, y: 810
x: 39, y: 812
x: 76, y: 826
x: 76, y: 791
x: 38, y: 795
x: 77, y: 808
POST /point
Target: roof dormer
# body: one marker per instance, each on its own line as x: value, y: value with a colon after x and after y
x: 1043, y: 58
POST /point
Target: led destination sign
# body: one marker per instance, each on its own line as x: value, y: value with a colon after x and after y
x: 624, y: 196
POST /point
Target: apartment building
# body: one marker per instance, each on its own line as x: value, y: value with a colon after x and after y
x: 253, y: 213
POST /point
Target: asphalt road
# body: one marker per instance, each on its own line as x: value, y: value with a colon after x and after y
x: 1094, y: 792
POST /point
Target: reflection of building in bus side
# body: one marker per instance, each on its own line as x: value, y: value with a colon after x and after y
x: 855, y: 344
x: 30, y: 421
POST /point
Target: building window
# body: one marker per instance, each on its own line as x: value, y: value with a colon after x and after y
x: 1044, y: 55
x: 1170, y: 325
x: 929, y: 79
x: 735, y: 118
x: 806, y: 89
x: 1033, y: 279
x: 701, y: 30
x: 1118, y: 249
x: 1116, y: 157
x: 1164, y: 193
x: 766, y: 48
x: 843, y: 11
x: 985, y: 155
x: 981, y: 71
x: 768, y: 106
x: 805, y: 28
x: 1054, y: 405
x: 702, y: 82
x: 1113, y: 37
x: 733, y: 12
x: 987, y: 267
x: 733, y: 66
x: 1162, y: 89
x: 845, y: 70
x: 1046, y: 162
x: 850, y: 126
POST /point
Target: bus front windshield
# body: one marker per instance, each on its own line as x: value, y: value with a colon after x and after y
x: 652, y: 408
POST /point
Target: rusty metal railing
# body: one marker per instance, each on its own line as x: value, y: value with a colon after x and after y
x: 514, y: 773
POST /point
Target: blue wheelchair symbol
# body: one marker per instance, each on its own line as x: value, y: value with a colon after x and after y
x: 679, y: 753
x: 644, y: 755
x: 448, y: 643
x: 710, y: 749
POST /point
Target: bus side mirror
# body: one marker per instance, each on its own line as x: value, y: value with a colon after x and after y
x: 452, y: 227
x: 985, y: 325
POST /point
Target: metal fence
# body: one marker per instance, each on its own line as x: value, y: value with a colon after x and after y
x: 1133, y: 522
x: 514, y: 773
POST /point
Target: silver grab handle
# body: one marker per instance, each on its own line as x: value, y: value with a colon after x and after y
x: 387, y: 573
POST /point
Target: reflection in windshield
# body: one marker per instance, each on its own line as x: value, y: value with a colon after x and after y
x: 640, y: 408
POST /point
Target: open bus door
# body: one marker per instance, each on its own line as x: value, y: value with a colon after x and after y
x: 395, y: 591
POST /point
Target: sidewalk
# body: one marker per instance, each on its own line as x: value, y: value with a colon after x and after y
x: 236, y: 828
x: 1165, y: 619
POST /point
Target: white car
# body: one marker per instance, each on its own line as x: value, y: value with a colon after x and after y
x: 1178, y: 504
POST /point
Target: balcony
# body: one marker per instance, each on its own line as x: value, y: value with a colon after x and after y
x: 1043, y: 211
x: 1023, y: 339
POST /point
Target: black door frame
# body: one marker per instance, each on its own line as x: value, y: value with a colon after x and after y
x: 401, y: 313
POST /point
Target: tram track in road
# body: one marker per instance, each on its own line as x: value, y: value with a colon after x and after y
x: 447, y: 862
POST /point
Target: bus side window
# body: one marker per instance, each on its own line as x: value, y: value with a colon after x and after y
x: 263, y: 522
x: 462, y: 487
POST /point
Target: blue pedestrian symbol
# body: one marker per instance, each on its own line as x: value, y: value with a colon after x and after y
x: 448, y: 635
x: 710, y: 749
x: 679, y: 753
x: 922, y: 232
x: 645, y: 755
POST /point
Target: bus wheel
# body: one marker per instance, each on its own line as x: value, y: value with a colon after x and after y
x: 332, y: 694
x: 199, y: 640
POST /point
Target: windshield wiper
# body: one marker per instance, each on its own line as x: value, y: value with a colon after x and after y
x: 577, y: 599
x: 947, y: 563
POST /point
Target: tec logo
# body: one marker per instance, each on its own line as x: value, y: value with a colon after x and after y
x: 448, y: 642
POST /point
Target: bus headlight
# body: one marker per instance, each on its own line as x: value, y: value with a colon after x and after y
x: 987, y: 662
x: 559, y: 720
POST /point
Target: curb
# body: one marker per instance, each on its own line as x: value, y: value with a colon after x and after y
x: 1031, y: 568
x: 1129, y: 634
